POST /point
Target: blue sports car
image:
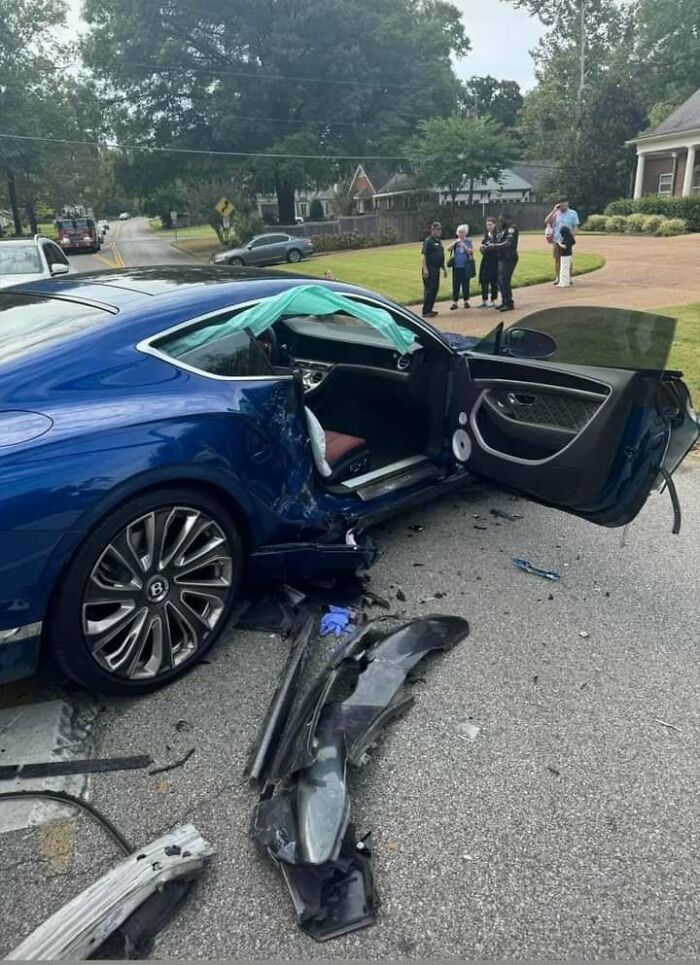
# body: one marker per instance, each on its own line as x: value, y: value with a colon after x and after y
x: 169, y: 434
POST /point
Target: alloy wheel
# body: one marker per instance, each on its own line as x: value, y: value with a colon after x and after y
x: 156, y: 592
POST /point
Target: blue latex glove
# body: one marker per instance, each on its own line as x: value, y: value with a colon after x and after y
x: 527, y: 567
x: 336, y: 621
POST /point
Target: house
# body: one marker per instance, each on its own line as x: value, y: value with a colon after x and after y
x: 269, y: 212
x: 365, y: 184
x: 668, y: 156
x: 400, y: 193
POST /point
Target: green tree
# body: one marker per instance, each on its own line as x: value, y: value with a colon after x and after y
x: 27, y: 50
x: 667, y: 51
x: 500, y: 99
x: 316, y: 210
x: 452, y: 153
x: 351, y: 77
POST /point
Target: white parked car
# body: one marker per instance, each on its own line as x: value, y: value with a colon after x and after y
x: 28, y: 259
x: 124, y: 216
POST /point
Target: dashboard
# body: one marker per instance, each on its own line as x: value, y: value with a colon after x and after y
x: 315, y: 345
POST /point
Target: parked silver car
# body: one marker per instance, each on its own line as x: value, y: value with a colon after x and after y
x: 266, y: 250
x: 29, y: 259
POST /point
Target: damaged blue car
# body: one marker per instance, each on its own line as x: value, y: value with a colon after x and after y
x: 170, y: 434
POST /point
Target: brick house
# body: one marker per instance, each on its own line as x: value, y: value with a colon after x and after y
x: 668, y: 156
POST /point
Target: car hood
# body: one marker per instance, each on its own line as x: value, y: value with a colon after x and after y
x: 7, y: 280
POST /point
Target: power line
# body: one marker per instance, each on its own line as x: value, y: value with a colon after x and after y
x: 260, y: 75
x: 182, y: 150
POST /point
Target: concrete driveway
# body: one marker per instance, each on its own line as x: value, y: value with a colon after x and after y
x: 639, y: 273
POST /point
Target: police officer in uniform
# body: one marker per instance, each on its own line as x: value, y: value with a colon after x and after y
x: 432, y: 263
x: 506, y: 245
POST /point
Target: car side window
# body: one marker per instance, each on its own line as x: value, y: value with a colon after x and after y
x: 53, y: 254
x: 213, y: 348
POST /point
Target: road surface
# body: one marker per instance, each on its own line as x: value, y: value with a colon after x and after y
x: 131, y: 243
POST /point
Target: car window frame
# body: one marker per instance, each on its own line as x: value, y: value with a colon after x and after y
x: 146, y: 347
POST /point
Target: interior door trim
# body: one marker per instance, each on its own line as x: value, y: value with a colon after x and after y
x: 547, y: 387
x: 481, y: 442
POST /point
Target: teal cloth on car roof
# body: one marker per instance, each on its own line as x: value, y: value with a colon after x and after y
x: 301, y: 300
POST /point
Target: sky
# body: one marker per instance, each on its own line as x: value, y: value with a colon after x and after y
x: 501, y: 39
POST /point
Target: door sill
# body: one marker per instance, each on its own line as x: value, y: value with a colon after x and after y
x: 389, y: 479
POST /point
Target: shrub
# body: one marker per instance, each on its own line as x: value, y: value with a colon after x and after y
x: 595, y: 222
x: 670, y: 208
x: 616, y: 224
x: 635, y: 223
x: 352, y: 240
x: 652, y: 223
x: 621, y: 206
x: 672, y: 226
x: 316, y: 210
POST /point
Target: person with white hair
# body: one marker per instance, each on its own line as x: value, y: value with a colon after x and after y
x: 461, y: 262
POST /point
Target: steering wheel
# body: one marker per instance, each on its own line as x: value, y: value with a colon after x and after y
x: 268, y: 341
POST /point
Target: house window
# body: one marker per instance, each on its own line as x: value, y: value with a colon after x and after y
x: 302, y: 209
x: 695, y: 188
x: 665, y: 184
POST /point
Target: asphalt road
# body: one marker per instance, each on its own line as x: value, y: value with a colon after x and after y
x: 131, y: 243
x: 568, y: 828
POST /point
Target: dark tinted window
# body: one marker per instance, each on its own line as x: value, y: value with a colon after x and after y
x: 76, y: 224
x: 614, y: 337
x: 216, y: 350
x: 29, y: 323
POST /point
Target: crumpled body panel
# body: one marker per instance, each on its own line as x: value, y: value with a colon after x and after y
x: 304, y: 824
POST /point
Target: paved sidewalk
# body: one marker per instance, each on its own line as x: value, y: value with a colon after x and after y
x: 639, y: 273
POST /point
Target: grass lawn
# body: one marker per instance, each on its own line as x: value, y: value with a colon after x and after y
x: 183, y: 234
x: 395, y: 270
x: 685, y: 354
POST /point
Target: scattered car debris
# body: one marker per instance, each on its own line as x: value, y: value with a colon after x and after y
x: 303, y: 818
x: 9, y: 772
x: 280, y: 706
x: 553, y: 770
x: 528, y: 567
x: 401, y: 596
x: 501, y: 514
x: 665, y: 723
x: 484, y: 528
x: 467, y: 731
x: 163, y: 768
x: 183, y: 726
x: 336, y: 621
x: 84, y: 924
x: 584, y: 634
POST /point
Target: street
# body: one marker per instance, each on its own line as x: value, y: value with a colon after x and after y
x: 131, y: 243
x: 566, y: 827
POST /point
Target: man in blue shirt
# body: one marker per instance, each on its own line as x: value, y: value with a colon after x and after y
x: 560, y: 215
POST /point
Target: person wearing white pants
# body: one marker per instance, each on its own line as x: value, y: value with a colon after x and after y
x: 565, y: 246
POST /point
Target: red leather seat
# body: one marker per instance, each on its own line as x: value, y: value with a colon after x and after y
x: 346, y: 455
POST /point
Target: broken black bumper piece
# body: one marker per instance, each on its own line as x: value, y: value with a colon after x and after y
x: 303, y: 819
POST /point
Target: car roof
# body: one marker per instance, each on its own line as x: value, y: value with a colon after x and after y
x: 23, y: 241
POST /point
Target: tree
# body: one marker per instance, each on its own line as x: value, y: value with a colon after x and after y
x: 499, y: 99
x: 452, y: 153
x: 351, y: 77
x: 316, y: 210
x: 667, y: 51
x: 27, y: 47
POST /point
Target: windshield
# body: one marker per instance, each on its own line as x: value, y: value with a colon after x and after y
x: 29, y: 322
x: 19, y: 260
x: 75, y: 224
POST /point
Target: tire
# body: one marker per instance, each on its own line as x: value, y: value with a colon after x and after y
x: 139, y: 556
x: 237, y: 262
x: 294, y: 255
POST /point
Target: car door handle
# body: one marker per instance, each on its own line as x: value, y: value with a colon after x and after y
x: 519, y: 399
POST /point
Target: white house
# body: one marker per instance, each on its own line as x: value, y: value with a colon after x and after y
x: 668, y: 156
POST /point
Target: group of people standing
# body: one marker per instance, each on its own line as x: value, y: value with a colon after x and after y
x: 499, y: 256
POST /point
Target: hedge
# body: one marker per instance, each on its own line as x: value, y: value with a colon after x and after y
x: 687, y: 209
x: 352, y: 240
x: 634, y: 224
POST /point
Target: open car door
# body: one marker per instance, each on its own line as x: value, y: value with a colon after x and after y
x: 574, y: 407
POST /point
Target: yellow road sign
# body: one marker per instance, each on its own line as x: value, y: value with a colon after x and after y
x: 224, y: 207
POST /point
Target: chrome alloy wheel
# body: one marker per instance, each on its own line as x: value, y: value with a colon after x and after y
x: 156, y: 592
